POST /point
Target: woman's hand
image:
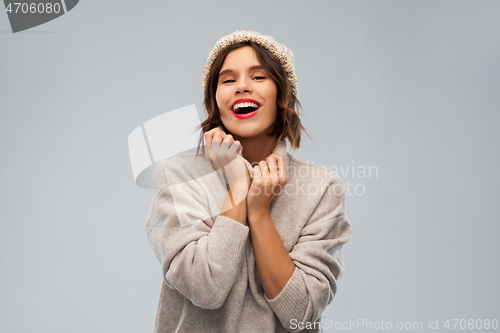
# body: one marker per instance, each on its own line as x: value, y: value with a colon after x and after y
x: 224, y: 153
x: 269, y: 178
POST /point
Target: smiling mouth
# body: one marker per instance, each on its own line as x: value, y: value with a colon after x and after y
x: 245, y: 110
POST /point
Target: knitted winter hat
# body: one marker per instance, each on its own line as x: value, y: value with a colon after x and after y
x: 284, y: 55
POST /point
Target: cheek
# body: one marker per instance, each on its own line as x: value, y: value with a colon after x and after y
x: 273, y: 95
x: 220, y: 105
x: 272, y: 91
x: 217, y: 97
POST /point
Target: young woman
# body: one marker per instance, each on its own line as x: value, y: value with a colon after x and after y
x: 249, y: 238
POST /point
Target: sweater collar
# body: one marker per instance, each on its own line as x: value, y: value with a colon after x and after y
x: 280, y: 149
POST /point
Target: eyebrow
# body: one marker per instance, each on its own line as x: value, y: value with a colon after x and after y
x: 227, y: 71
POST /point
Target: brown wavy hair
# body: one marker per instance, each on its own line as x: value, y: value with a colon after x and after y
x: 287, y: 124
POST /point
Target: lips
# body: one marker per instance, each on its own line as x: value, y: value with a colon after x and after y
x: 245, y: 115
x: 244, y: 100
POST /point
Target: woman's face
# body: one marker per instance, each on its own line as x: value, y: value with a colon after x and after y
x: 242, y: 79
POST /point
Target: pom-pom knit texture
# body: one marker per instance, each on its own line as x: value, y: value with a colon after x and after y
x: 280, y: 51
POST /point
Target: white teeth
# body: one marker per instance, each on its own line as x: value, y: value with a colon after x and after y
x: 245, y: 105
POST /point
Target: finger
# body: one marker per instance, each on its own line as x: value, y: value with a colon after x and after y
x: 282, y: 169
x: 210, y: 134
x: 236, y: 148
x: 264, y: 169
x: 217, y: 136
x: 227, y: 142
x: 208, y: 140
x: 272, y: 156
x: 214, y: 130
x: 257, y: 173
x: 214, y: 135
x: 273, y: 167
x: 215, y: 146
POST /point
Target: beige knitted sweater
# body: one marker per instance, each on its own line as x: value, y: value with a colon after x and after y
x: 210, y: 278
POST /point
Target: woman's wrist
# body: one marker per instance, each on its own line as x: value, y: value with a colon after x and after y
x: 237, y: 173
x: 235, y: 206
x: 258, y: 215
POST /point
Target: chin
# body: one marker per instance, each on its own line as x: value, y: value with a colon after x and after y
x: 248, y: 131
x: 245, y: 132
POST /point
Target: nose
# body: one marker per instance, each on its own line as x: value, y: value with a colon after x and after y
x: 243, y: 85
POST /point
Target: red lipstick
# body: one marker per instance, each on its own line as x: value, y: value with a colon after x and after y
x: 245, y: 115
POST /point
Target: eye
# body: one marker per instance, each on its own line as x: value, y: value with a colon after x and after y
x: 227, y: 81
x: 259, y: 77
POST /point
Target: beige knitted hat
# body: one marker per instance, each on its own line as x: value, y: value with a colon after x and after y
x: 284, y: 55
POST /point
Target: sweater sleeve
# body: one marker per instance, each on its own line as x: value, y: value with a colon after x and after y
x: 199, y: 259
x: 318, y: 260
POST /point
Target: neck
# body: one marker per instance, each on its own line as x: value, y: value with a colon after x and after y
x: 258, y: 148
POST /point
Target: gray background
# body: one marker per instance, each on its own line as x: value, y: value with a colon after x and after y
x: 408, y: 87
